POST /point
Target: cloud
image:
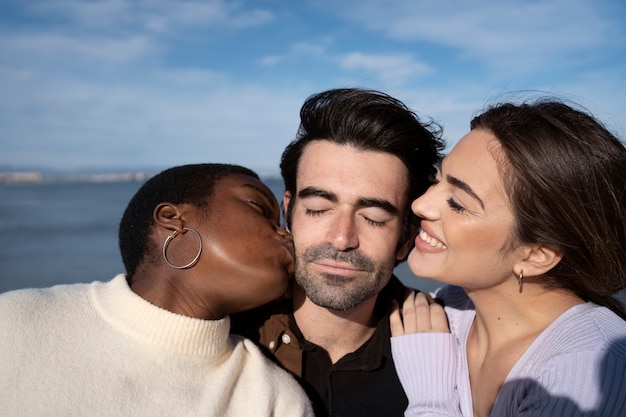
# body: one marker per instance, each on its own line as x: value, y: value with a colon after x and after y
x: 52, y: 50
x: 517, y: 36
x: 151, y: 15
x: 310, y: 48
x: 297, y: 52
x: 117, y: 39
x: 190, y: 77
x: 167, y: 82
x: 187, y: 117
x: 392, y: 69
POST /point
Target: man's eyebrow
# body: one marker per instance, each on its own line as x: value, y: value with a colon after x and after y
x: 317, y: 192
x: 361, y: 202
x: 465, y: 187
x: 381, y: 204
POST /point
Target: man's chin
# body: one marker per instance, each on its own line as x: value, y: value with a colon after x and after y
x: 335, y: 304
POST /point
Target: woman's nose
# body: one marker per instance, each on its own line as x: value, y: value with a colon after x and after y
x: 284, y: 232
x: 422, y: 206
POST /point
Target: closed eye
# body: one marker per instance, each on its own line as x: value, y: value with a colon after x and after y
x: 262, y: 208
x: 456, y: 207
x: 375, y: 223
x: 314, y: 213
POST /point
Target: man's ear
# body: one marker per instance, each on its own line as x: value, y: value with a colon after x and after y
x: 286, y: 200
x: 168, y: 216
x: 407, y: 245
x: 537, y: 260
x: 403, y: 250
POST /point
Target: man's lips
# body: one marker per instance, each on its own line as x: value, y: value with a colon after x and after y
x: 341, y: 268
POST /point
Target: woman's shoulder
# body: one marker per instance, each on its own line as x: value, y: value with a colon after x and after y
x: 576, y: 358
x: 585, y: 330
x: 26, y: 296
x: 588, y: 327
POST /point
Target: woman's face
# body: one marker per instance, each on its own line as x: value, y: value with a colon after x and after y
x: 247, y: 259
x: 467, y: 220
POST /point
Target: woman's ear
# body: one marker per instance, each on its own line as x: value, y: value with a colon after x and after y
x: 168, y: 216
x: 538, y: 260
x: 286, y: 200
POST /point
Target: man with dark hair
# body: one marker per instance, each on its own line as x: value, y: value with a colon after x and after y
x: 359, y: 159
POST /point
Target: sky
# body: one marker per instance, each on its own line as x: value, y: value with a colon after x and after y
x: 118, y: 84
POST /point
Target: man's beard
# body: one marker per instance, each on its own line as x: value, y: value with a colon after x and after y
x: 337, y: 292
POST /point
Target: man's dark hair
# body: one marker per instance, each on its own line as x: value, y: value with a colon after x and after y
x: 367, y: 120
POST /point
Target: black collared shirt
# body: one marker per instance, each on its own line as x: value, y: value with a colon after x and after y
x: 363, y: 383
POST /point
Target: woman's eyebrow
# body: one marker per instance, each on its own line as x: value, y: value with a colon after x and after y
x: 259, y: 189
x: 465, y: 187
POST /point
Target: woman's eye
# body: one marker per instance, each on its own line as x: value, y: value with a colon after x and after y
x: 456, y: 207
x: 262, y: 208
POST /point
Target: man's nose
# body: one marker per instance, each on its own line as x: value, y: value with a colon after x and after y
x: 343, y: 234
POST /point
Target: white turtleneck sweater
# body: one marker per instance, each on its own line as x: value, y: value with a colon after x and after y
x: 101, y: 350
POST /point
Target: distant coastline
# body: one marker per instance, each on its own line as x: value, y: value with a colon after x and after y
x: 43, y: 177
x: 37, y: 177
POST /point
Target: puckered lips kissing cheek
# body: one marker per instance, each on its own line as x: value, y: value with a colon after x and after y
x: 427, y: 243
x: 290, y: 255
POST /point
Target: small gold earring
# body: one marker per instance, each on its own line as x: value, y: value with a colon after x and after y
x: 520, y: 280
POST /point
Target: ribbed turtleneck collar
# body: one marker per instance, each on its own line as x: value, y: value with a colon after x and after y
x: 130, y: 314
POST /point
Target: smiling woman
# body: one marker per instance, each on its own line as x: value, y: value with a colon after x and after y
x: 533, y: 245
x: 199, y: 242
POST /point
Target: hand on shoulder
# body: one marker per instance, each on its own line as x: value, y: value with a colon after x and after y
x: 419, y: 314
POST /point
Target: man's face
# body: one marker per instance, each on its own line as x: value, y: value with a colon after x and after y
x: 347, y: 222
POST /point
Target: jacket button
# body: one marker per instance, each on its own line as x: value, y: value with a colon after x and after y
x: 272, y: 345
x: 286, y: 339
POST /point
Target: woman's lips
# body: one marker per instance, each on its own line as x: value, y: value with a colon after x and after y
x: 426, y: 241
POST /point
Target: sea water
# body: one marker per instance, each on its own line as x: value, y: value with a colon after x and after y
x: 53, y: 233
x: 66, y: 232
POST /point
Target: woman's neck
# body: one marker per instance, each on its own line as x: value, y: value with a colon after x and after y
x: 503, y: 329
x: 502, y: 316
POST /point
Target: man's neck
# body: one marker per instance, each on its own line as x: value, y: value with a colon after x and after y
x: 337, y: 332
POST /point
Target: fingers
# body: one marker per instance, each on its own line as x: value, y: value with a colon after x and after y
x: 438, y: 319
x: 422, y: 314
x: 419, y: 314
x: 409, y: 315
x: 395, y: 321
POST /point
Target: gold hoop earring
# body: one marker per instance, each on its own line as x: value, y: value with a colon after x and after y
x: 520, y: 280
x: 167, y: 243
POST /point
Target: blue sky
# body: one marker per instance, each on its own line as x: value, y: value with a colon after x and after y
x: 108, y: 84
